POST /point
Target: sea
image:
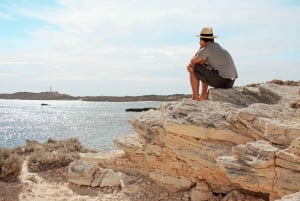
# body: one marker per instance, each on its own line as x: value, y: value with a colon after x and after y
x: 95, y: 124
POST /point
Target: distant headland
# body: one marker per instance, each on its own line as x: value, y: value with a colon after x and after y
x: 59, y: 96
x: 54, y: 95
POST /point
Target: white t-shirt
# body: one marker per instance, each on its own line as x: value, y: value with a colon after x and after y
x: 219, y: 59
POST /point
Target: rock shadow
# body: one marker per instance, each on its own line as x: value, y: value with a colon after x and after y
x: 244, y: 96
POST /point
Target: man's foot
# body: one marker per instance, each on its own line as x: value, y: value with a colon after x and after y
x: 200, y: 98
x: 195, y: 98
x: 203, y: 97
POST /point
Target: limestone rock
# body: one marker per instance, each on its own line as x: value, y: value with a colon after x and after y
x: 130, y: 185
x: 287, y: 181
x: 97, y: 179
x: 242, y: 144
x: 130, y: 143
x: 295, y: 146
x: 252, y: 166
x: 258, y: 154
x: 244, y: 96
x: 277, y: 123
x: 89, y: 174
x: 81, y: 172
x: 204, y: 120
x: 173, y: 183
x: 291, y: 197
x: 236, y: 195
x: 106, y: 157
x: 146, y: 124
x: 288, y: 167
x: 110, y: 178
x: 201, y: 192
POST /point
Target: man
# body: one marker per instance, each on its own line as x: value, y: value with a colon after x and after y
x: 212, y: 65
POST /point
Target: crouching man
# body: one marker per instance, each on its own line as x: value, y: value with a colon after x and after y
x: 212, y: 66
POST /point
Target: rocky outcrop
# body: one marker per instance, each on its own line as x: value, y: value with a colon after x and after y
x: 243, y: 143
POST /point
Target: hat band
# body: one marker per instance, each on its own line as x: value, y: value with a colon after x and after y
x: 206, y: 34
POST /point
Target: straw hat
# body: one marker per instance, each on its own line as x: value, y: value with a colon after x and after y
x: 207, y: 32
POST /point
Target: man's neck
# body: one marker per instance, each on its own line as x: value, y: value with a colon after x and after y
x: 208, y: 43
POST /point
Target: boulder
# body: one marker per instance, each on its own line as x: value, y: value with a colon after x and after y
x: 110, y: 178
x: 81, y: 172
x: 89, y: 173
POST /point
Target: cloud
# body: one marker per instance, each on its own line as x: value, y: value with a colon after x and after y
x: 136, y: 40
x: 5, y: 63
x: 7, y: 75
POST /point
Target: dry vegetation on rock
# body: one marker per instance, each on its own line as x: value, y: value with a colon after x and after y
x: 54, y: 154
x: 10, y: 165
x: 41, y: 157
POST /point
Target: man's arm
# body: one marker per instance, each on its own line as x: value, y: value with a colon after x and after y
x: 197, y: 60
x: 194, y: 61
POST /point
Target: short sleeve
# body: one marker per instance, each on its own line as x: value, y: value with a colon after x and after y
x: 202, y: 53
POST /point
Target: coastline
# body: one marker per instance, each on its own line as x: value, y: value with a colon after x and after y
x: 59, y: 96
x: 164, y: 158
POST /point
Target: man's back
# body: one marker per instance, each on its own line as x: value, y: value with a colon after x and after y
x: 219, y: 59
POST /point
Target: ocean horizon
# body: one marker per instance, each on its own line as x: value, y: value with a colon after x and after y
x: 95, y: 124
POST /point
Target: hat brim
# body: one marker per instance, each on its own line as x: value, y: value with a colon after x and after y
x: 208, y: 37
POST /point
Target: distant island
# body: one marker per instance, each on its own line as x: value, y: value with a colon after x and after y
x: 59, y: 96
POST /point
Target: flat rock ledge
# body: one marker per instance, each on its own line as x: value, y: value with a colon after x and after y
x: 242, y: 144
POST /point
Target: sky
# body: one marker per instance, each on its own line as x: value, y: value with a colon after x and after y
x: 134, y: 47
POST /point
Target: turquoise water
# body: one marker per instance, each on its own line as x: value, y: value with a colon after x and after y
x: 95, y: 124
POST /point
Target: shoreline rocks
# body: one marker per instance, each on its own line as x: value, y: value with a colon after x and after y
x: 243, y: 143
x: 140, y: 109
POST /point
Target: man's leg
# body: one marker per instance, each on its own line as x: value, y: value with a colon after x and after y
x: 204, y: 95
x: 195, y: 85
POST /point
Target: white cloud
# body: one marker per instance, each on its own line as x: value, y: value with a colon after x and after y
x: 14, y: 62
x: 142, y: 41
x: 7, y: 75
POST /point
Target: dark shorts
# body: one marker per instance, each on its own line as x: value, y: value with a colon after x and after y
x: 211, y: 77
